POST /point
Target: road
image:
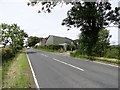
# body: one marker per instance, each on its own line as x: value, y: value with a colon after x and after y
x: 59, y: 71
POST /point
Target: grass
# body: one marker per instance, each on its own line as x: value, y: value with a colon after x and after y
x: 101, y: 59
x: 109, y: 60
x: 17, y: 73
x: 49, y: 50
x: 112, y: 53
x: 0, y: 77
x: 5, y: 67
x: 92, y: 58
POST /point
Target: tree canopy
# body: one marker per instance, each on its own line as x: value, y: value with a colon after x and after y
x: 48, y: 5
x: 12, y: 35
x: 32, y: 40
x: 101, y: 45
x: 89, y: 17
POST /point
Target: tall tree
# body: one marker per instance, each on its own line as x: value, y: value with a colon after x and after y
x: 90, y: 17
x: 32, y: 40
x: 13, y: 35
x: 101, y: 45
x: 48, y: 5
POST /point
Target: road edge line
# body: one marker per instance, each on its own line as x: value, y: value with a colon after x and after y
x: 33, y: 73
x: 106, y: 64
x: 98, y: 62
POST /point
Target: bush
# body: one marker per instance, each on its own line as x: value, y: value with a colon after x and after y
x: 70, y: 47
x: 92, y: 58
x: 16, y: 48
x: 112, y: 53
x: 6, y: 54
x: 59, y: 48
x: 72, y: 54
x: 50, y: 48
x: 55, y: 47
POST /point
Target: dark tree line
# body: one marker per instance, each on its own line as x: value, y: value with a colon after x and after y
x: 33, y: 40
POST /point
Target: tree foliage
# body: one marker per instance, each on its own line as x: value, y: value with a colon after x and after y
x: 100, y: 47
x: 102, y: 43
x: 48, y: 5
x: 90, y: 17
x: 32, y: 40
x: 12, y: 35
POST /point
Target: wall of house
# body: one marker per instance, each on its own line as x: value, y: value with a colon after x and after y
x: 49, y: 41
x: 55, y: 40
x: 68, y: 41
x: 43, y: 42
x: 58, y: 40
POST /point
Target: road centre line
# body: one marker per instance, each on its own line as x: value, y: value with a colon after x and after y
x: 117, y: 66
x: 44, y: 55
x: 69, y: 64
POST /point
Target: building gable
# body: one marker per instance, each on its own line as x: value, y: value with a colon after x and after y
x: 56, y: 40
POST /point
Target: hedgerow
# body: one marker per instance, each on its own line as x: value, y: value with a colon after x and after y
x: 6, y: 54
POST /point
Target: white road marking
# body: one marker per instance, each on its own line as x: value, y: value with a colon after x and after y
x: 33, y: 73
x: 68, y: 64
x: 98, y: 62
x: 44, y: 55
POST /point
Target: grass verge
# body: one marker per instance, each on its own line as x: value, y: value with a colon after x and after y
x: 5, y: 68
x: 0, y: 69
x: 101, y: 59
x: 48, y: 50
x: 17, y: 73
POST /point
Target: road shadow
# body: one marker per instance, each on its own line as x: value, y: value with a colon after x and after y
x: 31, y: 52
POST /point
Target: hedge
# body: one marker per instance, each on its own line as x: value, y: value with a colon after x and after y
x: 55, y: 47
x: 112, y: 53
x: 6, y: 53
x: 70, y: 47
x: 92, y: 58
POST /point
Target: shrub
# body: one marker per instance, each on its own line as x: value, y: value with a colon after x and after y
x: 6, y: 54
x: 112, y: 53
x: 72, y: 54
x: 16, y: 48
x: 70, y: 47
x: 54, y: 47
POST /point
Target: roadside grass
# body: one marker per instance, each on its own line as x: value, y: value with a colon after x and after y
x: 0, y: 77
x: 100, y: 59
x: 5, y: 67
x: 0, y: 68
x: 92, y: 58
x: 48, y: 50
x: 17, y: 73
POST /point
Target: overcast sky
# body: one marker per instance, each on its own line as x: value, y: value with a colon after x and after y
x: 43, y: 24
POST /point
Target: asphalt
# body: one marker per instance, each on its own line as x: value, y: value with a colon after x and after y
x: 59, y: 71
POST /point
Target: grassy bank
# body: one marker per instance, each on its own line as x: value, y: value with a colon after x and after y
x: 101, y: 59
x: 5, y: 68
x: 48, y: 50
x: 17, y: 73
x: 0, y: 77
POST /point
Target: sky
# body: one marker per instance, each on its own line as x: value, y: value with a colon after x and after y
x: 43, y: 24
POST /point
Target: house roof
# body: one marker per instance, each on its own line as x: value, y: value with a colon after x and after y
x: 57, y: 40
